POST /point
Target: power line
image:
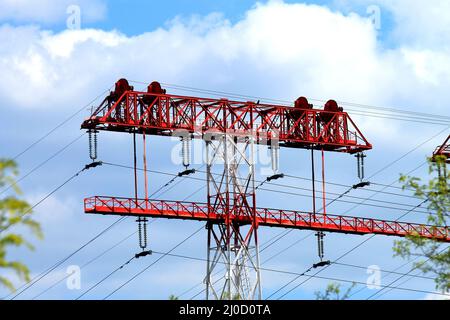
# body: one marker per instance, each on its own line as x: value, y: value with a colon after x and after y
x: 122, y: 218
x: 370, y: 237
x: 382, y: 169
x: 340, y: 195
x: 364, y: 287
x: 336, y: 199
x: 290, y: 193
x: 296, y: 273
x: 390, y: 113
x: 403, y: 275
x: 12, y: 185
x: 106, y: 277
x: 45, y: 273
x: 381, y: 270
x: 87, y: 263
x: 272, y: 241
x: 400, y: 117
x: 367, y: 188
x: 86, y: 167
x: 269, y: 243
x: 340, y: 257
x: 128, y: 261
x: 346, y: 201
x: 275, y: 184
x: 409, y: 152
x: 416, y: 206
x: 60, y: 125
x: 98, y: 256
x: 326, y: 205
x: 153, y: 263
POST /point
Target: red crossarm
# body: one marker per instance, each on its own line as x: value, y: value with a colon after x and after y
x: 443, y: 150
x: 163, y: 114
x: 264, y: 217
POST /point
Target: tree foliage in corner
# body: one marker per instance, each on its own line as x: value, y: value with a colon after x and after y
x: 13, y: 212
x: 431, y: 256
x: 333, y: 292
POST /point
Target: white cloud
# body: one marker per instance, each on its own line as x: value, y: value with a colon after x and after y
x: 277, y: 50
x: 417, y: 23
x: 55, y: 210
x: 49, y: 11
x: 421, y: 23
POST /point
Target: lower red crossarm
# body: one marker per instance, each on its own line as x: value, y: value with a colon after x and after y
x: 264, y: 217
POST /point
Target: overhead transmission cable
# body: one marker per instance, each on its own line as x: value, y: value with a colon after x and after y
x: 384, y: 112
x: 153, y: 263
x: 299, y: 274
x: 50, y: 269
x: 98, y: 256
x: 86, y: 264
x: 379, y: 292
x: 86, y: 167
x: 15, y: 183
x: 370, y: 237
x: 293, y: 187
x: 134, y: 257
x: 60, y: 124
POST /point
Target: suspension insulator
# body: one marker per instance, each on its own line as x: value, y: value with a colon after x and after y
x: 186, y: 150
x: 92, y: 144
x: 275, y: 157
x: 142, y: 232
x: 360, y: 165
x: 320, y: 247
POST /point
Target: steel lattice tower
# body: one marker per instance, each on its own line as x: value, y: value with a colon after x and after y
x: 231, y: 129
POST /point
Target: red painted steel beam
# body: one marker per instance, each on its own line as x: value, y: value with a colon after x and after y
x: 264, y: 217
x: 443, y: 150
x: 163, y: 114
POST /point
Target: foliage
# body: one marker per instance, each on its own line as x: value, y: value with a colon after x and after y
x: 333, y: 292
x: 431, y: 256
x: 173, y: 297
x: 14, y: 212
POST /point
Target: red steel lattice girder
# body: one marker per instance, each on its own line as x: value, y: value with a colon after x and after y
x: 162, y: 114
x: 264, y: 217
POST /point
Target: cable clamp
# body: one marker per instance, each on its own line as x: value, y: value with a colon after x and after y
x: 93, y: 165
x: 275, y: 176
x: 186, y: 172
x: 361, y: 185
x: 143, y: 254
x: 321, y: 264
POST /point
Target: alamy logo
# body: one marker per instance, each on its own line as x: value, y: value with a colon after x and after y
x: 73, y: 21
x: 374, y: 279
x: 73, y: 281
x: 374, y: 13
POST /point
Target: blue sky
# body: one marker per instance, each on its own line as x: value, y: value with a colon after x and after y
x: 279, y: 50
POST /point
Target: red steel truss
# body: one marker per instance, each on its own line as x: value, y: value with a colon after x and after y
x: 264, y: 217
x: 163, y: 114
x: 443, y: 150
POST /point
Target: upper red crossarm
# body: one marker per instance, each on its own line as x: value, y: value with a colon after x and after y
x: 164, y: 114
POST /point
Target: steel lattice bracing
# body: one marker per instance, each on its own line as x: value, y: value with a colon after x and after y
x: 162, y: 114
x: 264, y: 217
x: 232, y: 194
